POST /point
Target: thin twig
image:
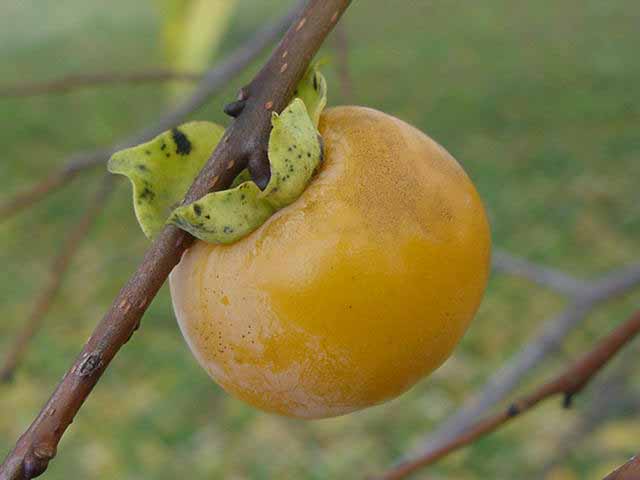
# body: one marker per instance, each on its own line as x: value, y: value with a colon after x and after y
x: 568, y: 383
x: 344, y: 71
x: 52, y: 182
x: 243, y: 144
x: 58, y: 270
x: 213, y: 81
x: 74, y: 82
x: 608, y: 398
x: 505, y: 262
x: 547, y: 341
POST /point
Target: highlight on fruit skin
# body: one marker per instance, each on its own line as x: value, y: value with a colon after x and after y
x: 352, y: 293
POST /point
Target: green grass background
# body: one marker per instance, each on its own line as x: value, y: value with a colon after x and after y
x: 540, y: 101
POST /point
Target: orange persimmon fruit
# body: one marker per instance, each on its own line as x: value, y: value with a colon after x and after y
x: 350, y: 295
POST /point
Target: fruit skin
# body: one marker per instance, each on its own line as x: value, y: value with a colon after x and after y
x: 350, y: 295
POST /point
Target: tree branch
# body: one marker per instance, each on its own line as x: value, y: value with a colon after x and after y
x: 244, y: 143
x: 58, y: 270
x: 74, y: 82
x: 568, y: 383
x: 548, y: 277
x: 214, y: 80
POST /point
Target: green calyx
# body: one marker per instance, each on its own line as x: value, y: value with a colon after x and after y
x: 162, y: 170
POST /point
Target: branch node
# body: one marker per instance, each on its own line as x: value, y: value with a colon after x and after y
x: 7, y: 376
x: 133, y: 330
x: 234, y: 109
x: 36, y: 463
x: 44, y: 451
x: 567, y: 400
x: 243, y: 93
x: 513, y: 410
x: 90, y: 364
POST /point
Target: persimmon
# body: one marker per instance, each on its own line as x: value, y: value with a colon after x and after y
x: 348, y: 296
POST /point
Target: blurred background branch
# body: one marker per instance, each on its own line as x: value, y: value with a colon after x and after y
x: 78, y: 81
x: 60, y: 265
x: 341, y: 44
x: 509, y: 264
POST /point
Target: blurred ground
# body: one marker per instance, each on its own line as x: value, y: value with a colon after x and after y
x: 540, y: 101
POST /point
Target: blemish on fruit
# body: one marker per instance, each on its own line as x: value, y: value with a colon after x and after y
x: 197, y: 209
